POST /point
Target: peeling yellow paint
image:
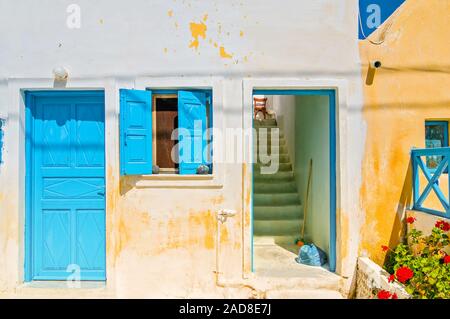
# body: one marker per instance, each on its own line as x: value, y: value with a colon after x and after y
x: 224, y: 54
x: 403, y: 91
x: 170, y: 13
x: 165, y: 50
x: 241, y: 33
x: 197, y: 30
x: 205, y: 17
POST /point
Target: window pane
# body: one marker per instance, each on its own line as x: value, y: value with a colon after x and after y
x: 435, y: 136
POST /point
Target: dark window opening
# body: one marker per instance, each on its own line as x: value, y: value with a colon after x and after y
x: 165, y: 122
x: 436, y: 135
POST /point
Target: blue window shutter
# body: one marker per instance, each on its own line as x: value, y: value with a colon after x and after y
x: 135, y: 132
x: 192, y: 126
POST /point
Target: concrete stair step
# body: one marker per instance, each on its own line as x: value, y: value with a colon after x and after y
x: 277, y: 269
x: 281, y: 240
x: 267, y: 134
x: 265, y: 122
x: 277, y: 212
x: 278, y: 199
x: 276, y: 227
x: 281, y: 187
x: 279, y: 176
x: 282, y: 158
x: 271, y: 149
x: 281, y: 167
x: 259, y: 125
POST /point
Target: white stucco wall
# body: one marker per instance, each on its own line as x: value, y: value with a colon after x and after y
x: 146, y: 44
x: 312, y: 142
x: 284, y: 108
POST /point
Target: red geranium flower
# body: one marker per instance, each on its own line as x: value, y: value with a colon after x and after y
x: 403, y: 274
x: 447, y: 259
x: 384, y: 294
x: 410, y: 220
x: 391, y: 278
x: 385, y: 248
x: 394, y: 296
x: 442, y: 225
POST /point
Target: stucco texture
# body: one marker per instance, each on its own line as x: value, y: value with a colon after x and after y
x: 410, y: 87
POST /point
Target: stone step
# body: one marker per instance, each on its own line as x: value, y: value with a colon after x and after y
x: 279, y: 176
x: 281, y: 187
x: 265, y: 122
x: 277, y: 212
x: 287, y: 240
x: 276, y: 227
x: 268, y: 136
x: 281, y: 167
x: 267, y: 142
x: 276, y: 269
x: 277, y: 199
x: 271, y: 149
x: 282, y: 158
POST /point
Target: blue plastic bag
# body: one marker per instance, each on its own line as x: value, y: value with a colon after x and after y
x: 311, y: 255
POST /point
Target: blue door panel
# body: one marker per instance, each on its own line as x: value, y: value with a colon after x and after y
x: 73, y: 188
x: 90, y: 247
x: 89, y: 134
x: 55, y: 239
x: 55, y: 131
x: 67, y: 185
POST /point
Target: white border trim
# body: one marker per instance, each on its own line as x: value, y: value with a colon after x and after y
x: 341, y: 87
x: 16, y: 154
x: 216, y: 179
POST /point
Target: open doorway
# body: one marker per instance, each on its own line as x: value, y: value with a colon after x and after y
x: 297, y: 200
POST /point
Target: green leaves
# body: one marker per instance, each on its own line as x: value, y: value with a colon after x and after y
x: 424, y: 256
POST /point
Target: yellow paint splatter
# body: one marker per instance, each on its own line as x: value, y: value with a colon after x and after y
x: 170, y: 13
x: 241, y: 33
x: 224, y: 54
x: 215, y: 44
x: 245, y: 59
x: 197, y: 30
x: 205, y: 17
x: 176, y: 25
x: 165, y: 50
x: 100, y: 21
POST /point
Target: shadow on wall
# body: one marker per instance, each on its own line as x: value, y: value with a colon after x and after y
x: 127, y: 183
x: 398, y: 232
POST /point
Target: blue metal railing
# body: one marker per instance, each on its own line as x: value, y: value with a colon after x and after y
x: 440, y: 158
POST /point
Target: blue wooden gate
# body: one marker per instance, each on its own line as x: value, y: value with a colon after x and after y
x: 65, y: 185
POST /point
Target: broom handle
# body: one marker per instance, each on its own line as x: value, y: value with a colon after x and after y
x: 305, y: 209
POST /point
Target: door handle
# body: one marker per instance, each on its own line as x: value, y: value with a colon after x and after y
x: 101, y: 193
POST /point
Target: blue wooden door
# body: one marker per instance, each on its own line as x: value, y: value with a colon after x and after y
x: 67, y: 185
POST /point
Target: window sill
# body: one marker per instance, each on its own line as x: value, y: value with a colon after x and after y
x: 178, y: 181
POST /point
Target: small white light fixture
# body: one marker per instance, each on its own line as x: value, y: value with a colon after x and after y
x: 60, y: 73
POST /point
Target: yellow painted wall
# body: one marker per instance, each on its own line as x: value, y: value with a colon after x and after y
x: 411, y: 87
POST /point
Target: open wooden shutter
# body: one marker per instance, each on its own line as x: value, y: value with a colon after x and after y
x: 191, y: 120
x: 135, y: 132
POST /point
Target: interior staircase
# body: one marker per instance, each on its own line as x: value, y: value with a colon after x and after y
x: 277, y: 209
x: 277, y: 222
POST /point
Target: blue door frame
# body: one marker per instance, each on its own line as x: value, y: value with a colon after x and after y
x: 87, y: 110
x: 332, y: 125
